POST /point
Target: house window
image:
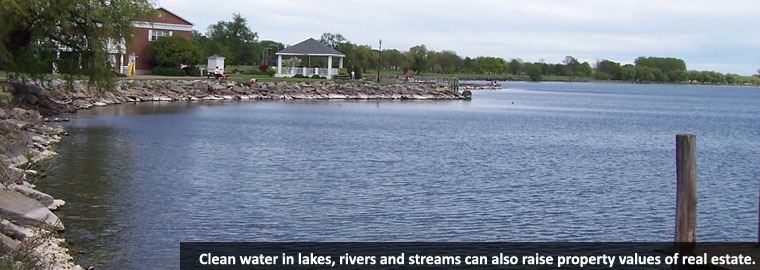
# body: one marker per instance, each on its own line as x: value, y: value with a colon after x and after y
x: 155, y: 34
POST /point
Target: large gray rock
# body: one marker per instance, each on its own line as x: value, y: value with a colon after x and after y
x: 218, y: 87
x: 23, y: 210
x: 200, y: 86
x: 43, y: 198
x: 14, y: 231
x: 467, y: 94
x: 8, y: 242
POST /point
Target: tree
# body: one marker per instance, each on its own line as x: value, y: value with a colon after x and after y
x: 677, y: 76
x: 534, y: 71
x: 234, y: 37
x: 392, y: 59
x: 514, y: 66
x: 491, y: 64
x: 417, y: 58
x: 332, y: 40
x: 468, y: 65
x: 572, y: 66
x: 612, y: 69
x: 628, y: 73
x: 366, y: 57
x: 666, y: 65
x: 449, y: 61
x: 32, y: 31
x: 173, y: 51
x: 433, y: 63
x: 584, y: 70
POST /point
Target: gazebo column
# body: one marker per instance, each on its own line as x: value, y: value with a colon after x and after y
x: 279, y: 64
x: 329, y: 67
x: 121, y: 63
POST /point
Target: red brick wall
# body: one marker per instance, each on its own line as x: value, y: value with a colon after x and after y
x: 140, y: 43
x: 140, y: 40
x: 167, y: 17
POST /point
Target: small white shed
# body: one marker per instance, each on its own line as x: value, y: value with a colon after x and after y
x: 215, y: 61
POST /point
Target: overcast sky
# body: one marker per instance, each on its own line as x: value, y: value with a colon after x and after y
x: 709, y: 35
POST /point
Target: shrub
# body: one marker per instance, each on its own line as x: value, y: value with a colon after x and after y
x: 253, y: 72
x: 601, y: 76
x: 299, y: 76
x: 263, y: 67
x: 317, y: 77
x: 173, y: 51
x: 193, y: 71
x: 271, y: 71
x: 168, y: 71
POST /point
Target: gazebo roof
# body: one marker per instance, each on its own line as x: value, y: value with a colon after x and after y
x: 310, y: 47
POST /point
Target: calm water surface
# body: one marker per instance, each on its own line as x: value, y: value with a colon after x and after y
x: 533, y: 162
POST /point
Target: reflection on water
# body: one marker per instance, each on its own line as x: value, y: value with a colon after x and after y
x: 534, y: 162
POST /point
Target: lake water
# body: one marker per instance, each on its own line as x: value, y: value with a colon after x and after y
x: 533, y: 162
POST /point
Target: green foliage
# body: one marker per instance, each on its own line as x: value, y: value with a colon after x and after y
x: 468, y: 65
x: 534, y: 71
x: 168, y: 71
x: 602, y: 76
x: 394, y: 59
x: 30, y: 31
x: 417, y: 58
x: 317, y: 77
x: 299, y: 76
x: 665, y: 65
x: 628, y: 73
x: 236, y: 42
x: 193, y: 71
x: 448, y: 61
x: 173, y: 51
x: 271, y: 72
x: 575, y: 68
x: 252, y: 72
x: 365, y: 57
x: 332, y: 40
x: 493, y: 65
x: 612, y: 70
x: 515, y: 66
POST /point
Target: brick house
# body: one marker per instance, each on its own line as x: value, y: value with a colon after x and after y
x: 164, y: 24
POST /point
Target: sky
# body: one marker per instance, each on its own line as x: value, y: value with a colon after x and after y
x: 712, y: 35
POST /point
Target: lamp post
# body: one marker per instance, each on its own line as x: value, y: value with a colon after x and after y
x: 272, y: 46
x: 380, y: 55
x: 264, y: 55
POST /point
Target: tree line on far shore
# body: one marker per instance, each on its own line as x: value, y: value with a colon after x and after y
x: 31, y: 34
x: 241, y: 46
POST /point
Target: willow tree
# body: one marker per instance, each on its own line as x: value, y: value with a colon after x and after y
x: 32, y: 32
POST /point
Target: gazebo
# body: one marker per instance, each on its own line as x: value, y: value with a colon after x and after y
x: 309, y: 47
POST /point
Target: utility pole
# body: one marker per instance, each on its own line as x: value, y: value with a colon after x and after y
x: 353, y: 53
x: 380, y: 55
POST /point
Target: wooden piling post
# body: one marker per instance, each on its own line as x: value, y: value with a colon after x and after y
x: 686, y: 193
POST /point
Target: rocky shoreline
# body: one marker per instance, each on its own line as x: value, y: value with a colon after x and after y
x: 59, y: 97
x: 27, y: 223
